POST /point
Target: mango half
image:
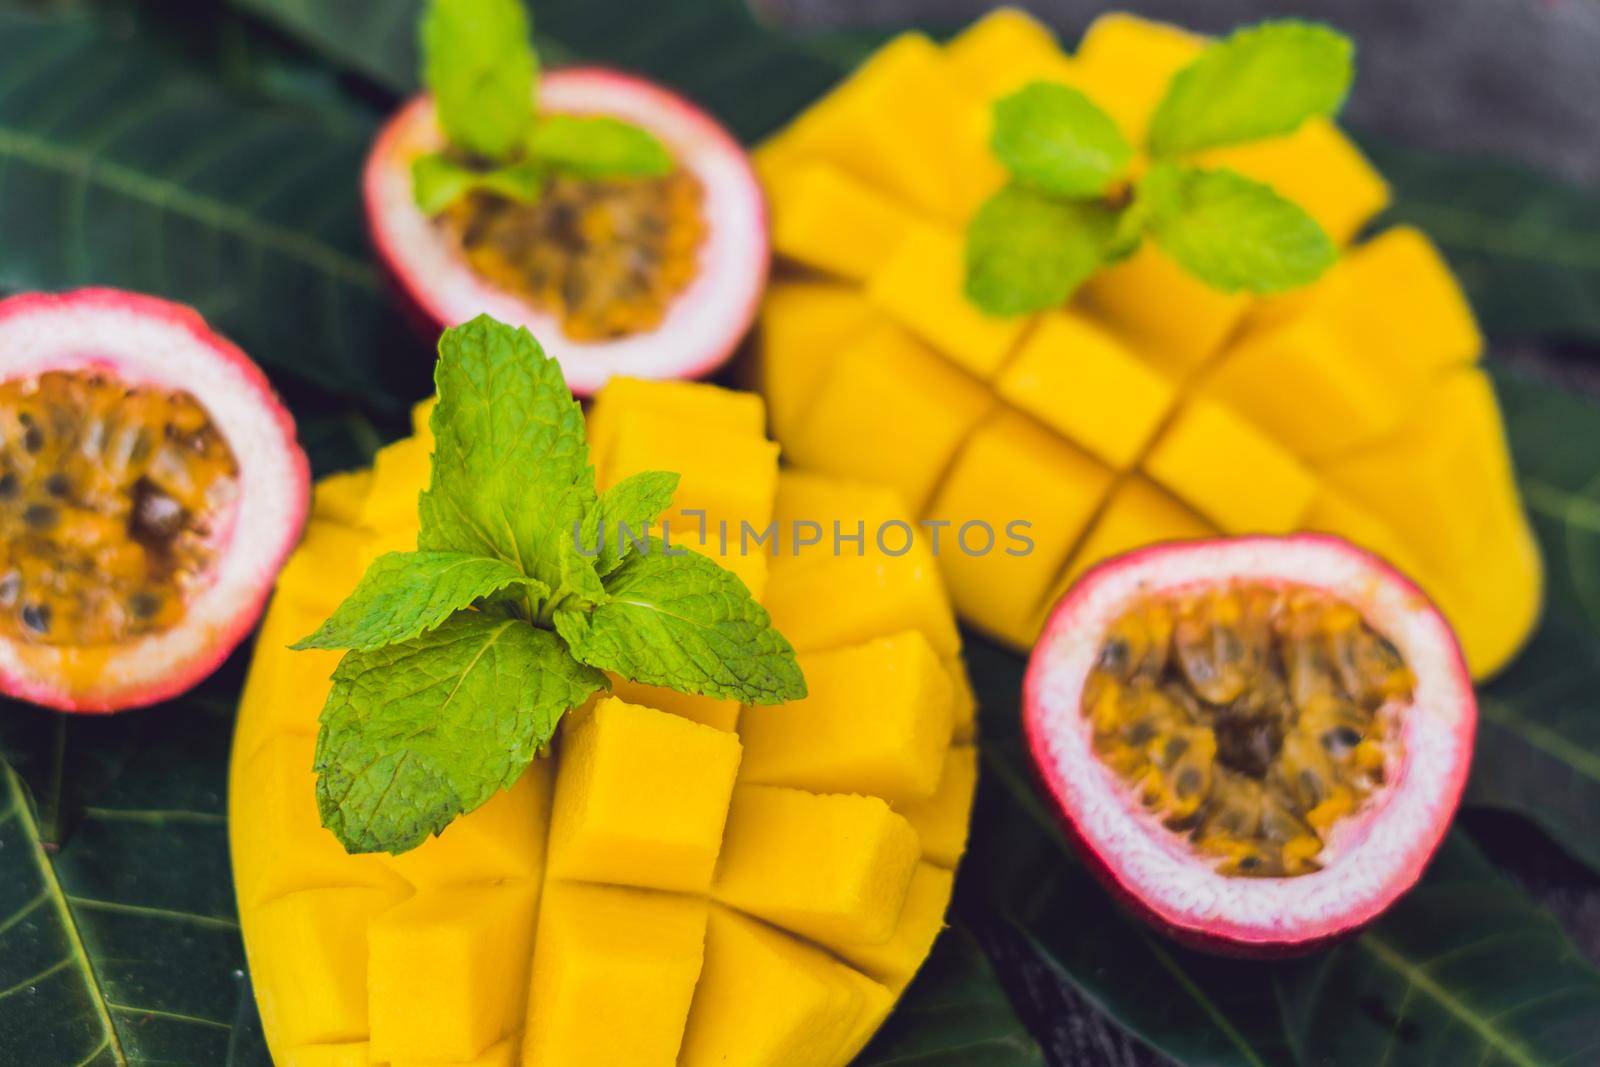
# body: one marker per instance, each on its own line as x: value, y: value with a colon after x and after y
x: 1152, y: 408
x: 683, y: 881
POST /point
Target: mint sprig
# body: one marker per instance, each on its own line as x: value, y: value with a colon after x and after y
x: 479, y: 64
x: 464, y: 655
x: 1230, y: 232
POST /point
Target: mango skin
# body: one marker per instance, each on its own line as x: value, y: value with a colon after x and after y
x: 1152, y: 408
x: 600, y: 910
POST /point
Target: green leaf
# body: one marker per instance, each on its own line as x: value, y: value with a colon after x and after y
x: 676, y: 618
x: 511, y: 476
x: 1054, y: 139
x: 406, y: 594
x: 1233, y: 233
x: 598, y: 147
x: 417, y: 733
x: 954, y: 1013
x: 119, y: 939
x: 147, y: 178
x: 625, y: 512
x: 478, y: 62
x: 1027, y: 252
x: 1260, y: 81
x: 439, y: 181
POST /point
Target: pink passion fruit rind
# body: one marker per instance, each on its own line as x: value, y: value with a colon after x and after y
x: 1371, y: 856
x: 704, y: 323
x: 139, y: 342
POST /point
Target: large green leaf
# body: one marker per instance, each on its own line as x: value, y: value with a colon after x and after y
x: 119, y: 943
x: 116, y: 170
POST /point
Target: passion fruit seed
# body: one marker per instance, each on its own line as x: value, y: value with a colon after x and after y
x: 108, y: 500
x: 606, y: 257
x: 1250, y: 717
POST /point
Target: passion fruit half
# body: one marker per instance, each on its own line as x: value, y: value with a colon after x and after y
x: 1257, y: 742
x: 150, y: 489
x: 656, y: 278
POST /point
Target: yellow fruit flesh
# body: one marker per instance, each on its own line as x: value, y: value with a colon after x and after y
x: 607, y: 258
x: 1249, y: 718
x: 112, y: 503
x: 622, y: 873
x: 1158, y: 408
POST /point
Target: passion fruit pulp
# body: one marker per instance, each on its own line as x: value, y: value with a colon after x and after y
x: 656, y: 278
x: 1257, y: 742
x: 150, y: 486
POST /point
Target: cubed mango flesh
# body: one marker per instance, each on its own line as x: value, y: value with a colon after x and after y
x: 966, y: 701
x: 834, y: 868
x: 803, y: 324
x: 893, y: 962
x: 447, y: 969
x: 1004, y: 51
x: 1016, y: 498
x: 614, y: 971
x: 709, y: 711
x: 1230, y: 472
x: 889, y: 410
x: 877, y: 718
x: 768, y: 1000
x: 694, y: 404
x: 342, y: 1054
x: 830, y: 601
x: 503, y: 839
x: 1194, y: 320
x: 941, y: 821
x: 825, y: 219
x: 1124, y: 63
x: 921, y: 285
x: 1137, y: 514
x: 625, y: 812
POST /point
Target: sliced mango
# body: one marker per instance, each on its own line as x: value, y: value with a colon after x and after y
x: 827, y: 220
x: 767, y: 1000
x: 893, y: 962
x: 1230, y: 472
x: 833, y: 868
x: 446, y: 970
x: 1124, y: 64
x: 624, y: 810
x: 921, y: 285
x: 877, y: 719
x: 1016, y: 499
x: 503, y: 839
x: 803, y: 323
x: 829, y: 601
x: 690, y: 403
x: 709, y: 711
x: 344, y: 1054
x: 889, y: 410
x: 1004, y: 51
x: 966, y: 701
x: 941, y: 820
x: 614, y: 972
x: 1137, y: 514
x: 1194, y: 320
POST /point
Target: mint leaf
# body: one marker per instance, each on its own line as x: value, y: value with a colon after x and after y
x: 439, y: 181
x: 479, y: 64
x: 598, y: 147
x: 1054, y: 139
x: 404, y: 594
x: 511, y: 475
x: 683, y: 621
x: 635, y: 502
x: 1261, y: 81
x: 417, y: 733
x: 1027, y: 252
x: 1231, y: 232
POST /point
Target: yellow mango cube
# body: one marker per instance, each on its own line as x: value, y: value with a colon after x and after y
x: 614, y: 971
x: 502, y: 1053
x: 641, y: 798
x: 503, y: 839
x: 1124, y: 64
x: 341, y: 498
x: 941, y: 821
x: 823, y: 601
x: 1076, y: 376
x: 288, y: 848
x: 447, y: 969
x: 1317, y: 167
x: 1016, y: 498
x: 325, y: 570
x: 1395, y: 293
x: 827, y: 220
x: 1230, y: 472
x: 1194, y: 321
x: 285, y: 689
x: 803, y: 323
x: 832, y: 868
x: 1138, y: 514
x: 344, y: 1054
x: 311, y: 982
x: 695, y: 405
x: 894, y: 962
x: 877, y: 719
x: 889, y: 410
x: 922, y: 286
x: 709, y: 711
x: 805, y: 497
x: 767, y: 1000
x: 400, y: 473
x: 1334, y: 512
x: 966, y: 701
x: 1004, y: 51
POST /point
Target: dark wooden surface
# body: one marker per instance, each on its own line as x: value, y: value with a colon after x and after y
x: 1518, y: 79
